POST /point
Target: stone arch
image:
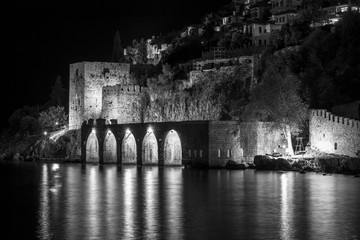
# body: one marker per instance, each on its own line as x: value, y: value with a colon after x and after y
x: 128, y: 154
x: 110, y: 148
x: 150, y: 149
x: 172, y: 149
x: 92, y: 148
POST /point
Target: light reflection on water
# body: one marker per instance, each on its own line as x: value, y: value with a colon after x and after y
x: 114, y: 202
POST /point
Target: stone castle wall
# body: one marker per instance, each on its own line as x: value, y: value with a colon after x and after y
x: 241, y: 142
x: 334, y: 134
x: 260, y: 138
x: 76, y: 95
x: 224, y: 143
x: 86, y: 82
x: 123, y: 103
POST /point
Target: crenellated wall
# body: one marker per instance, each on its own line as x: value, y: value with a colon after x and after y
x: 86, y: 82
x: 123, y: 103
x: 333, y: 134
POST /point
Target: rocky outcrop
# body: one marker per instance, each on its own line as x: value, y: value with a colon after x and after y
x: 32, y: 149
x: 343, y: 165
x: 234, y: 165
x: 269, y: 163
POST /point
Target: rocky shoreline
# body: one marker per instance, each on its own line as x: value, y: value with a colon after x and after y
x: 325, y: 164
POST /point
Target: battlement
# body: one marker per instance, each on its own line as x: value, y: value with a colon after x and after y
x: 120, y: 88
x: 324, y: 115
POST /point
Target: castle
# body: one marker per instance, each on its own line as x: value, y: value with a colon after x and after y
x: 108, y: 105
x: 103, y: 90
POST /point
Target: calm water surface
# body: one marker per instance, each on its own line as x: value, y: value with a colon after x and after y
x: 71, y: 201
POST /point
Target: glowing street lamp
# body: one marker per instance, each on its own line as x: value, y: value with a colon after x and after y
x: 45, y: 133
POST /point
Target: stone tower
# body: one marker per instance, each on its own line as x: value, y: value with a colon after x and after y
x: 86, y: 83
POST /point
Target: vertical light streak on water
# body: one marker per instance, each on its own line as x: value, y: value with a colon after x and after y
x: 55, y: 190
x: 174, y: 203
x: 129, y: 186
x: 44, y: 219
x: 151, y: 198
x: 110, y: 202
x: 322, y: 211
x: 93, y: 203
x: 285, y: 213
x: 71, y: 196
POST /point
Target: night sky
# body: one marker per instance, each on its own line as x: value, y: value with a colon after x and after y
x: 42, y: 39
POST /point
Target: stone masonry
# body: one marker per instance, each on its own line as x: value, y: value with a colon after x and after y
x: 334, y: 134
x: 87, y: 80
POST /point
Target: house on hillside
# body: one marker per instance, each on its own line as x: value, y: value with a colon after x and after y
x: 283, y: 11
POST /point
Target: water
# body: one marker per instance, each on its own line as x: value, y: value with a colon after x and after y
x: 71, y: 201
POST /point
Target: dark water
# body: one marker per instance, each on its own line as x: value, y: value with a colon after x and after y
x: 52, y: 201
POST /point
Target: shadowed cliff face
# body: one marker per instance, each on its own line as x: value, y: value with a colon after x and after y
x: 211, y: 95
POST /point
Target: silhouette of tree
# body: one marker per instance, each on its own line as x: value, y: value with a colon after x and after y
x: 118, y: 51
x: 58, y: 96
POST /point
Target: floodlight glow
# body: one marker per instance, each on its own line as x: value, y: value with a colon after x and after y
x: 150, y: 130
x: 55, y: 167
x: 93, y: 131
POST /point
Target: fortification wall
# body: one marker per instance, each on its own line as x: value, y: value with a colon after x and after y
x: 124, y: 103
x: 224, y: 143
x: 260, y: 138
x: 91, y: 78
x: 98, y: 75
x: 333, y: 134
x: 76, y: 95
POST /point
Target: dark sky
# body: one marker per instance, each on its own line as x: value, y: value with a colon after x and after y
x: 42, y: 39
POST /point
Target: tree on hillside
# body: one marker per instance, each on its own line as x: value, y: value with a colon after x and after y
x: 118, y: 51
x: 53, y: 118
x: 331, y: 62
x: 137, y: 53
x: 188, y: 48
x: 58, y: 95
x: 277, y: 99
x: 22, y: 120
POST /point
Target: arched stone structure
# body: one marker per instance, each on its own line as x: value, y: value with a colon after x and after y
x: 110, y: 148
x: 150, y: 149
x: 172, y: 149
x: 92, y: 148
x: 128, y: 154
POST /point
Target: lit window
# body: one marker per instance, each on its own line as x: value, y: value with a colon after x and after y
x: 219, y: 153
x: 229, y: 153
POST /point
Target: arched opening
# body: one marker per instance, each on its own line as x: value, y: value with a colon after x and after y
x: 110, y: 148
x: 150, y: 149
x: 129, y: 149
x: 92, y: 148
x: 172, y: 149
